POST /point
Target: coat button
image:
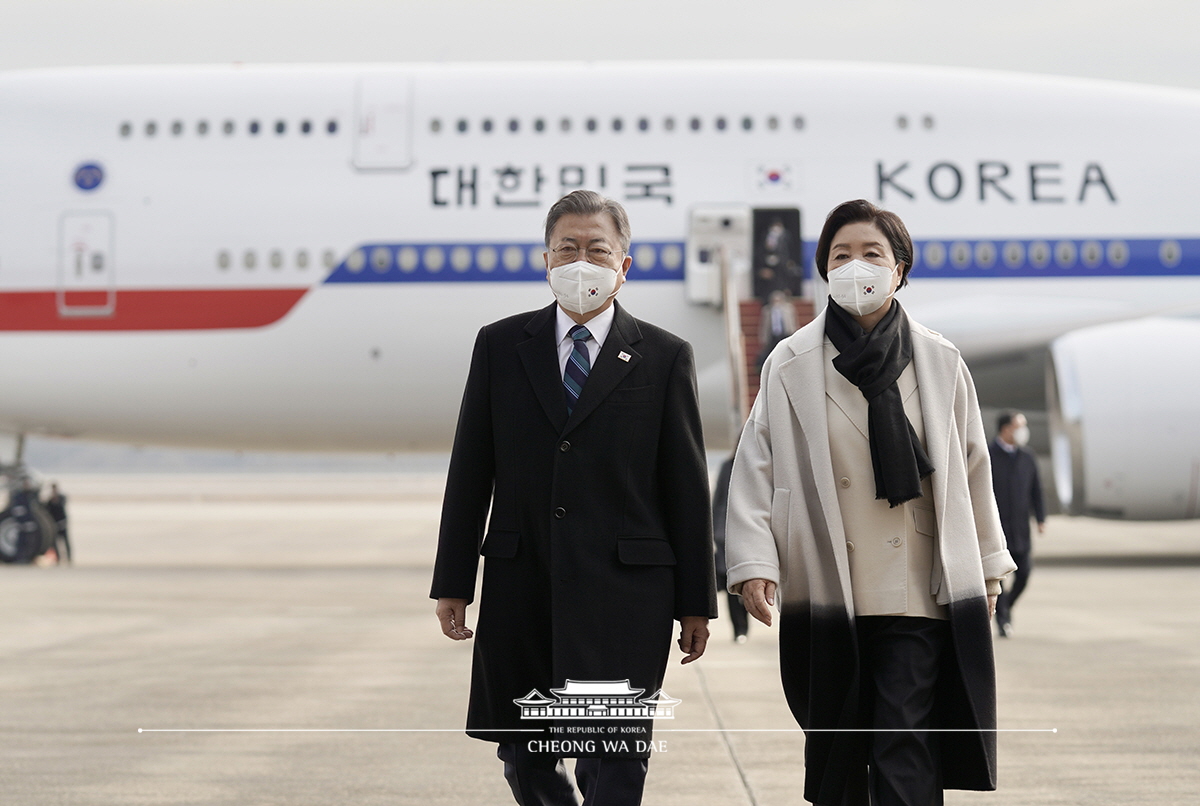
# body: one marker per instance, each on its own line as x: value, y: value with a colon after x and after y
x: 560, y: 513
x: 564, y: 446
x: 896, y: 542
x: 849, y: 546
x: 845, y: 482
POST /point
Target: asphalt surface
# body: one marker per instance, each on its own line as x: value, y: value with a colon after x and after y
x: 271, y: 638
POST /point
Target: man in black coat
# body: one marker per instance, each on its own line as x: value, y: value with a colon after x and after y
x: 1018, y: 495
x: 585, y: 445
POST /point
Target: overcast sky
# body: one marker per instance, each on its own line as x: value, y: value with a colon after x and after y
x: 1148, y: 41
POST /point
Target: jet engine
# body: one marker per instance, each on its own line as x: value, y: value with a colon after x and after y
x: 1124, y: 434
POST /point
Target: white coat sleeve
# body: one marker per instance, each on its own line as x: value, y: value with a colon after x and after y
x: 993, y: 550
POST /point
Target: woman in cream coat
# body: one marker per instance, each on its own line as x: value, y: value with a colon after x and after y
x: 862, y: 495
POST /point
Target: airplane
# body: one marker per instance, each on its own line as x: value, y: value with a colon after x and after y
x: 299, y: 257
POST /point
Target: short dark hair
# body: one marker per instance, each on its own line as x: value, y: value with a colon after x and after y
x: 889, y: 224
x: 1006, y: 417
x: 589, y: 202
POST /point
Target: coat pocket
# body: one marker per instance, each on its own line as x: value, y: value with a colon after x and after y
x: 500, y: 544
x: 925, y: 521
x: 645, y: 551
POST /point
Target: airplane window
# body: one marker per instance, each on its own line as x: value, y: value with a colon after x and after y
x: 302, y: 259
x: 747, y: 123
x: 331, y: 126
x: 1170, y: 253
x: 935, y: 255
x: 672, y: 256
x: 644, y: 256
x: 254, y: 127
x: 514, y: 125
x: 249, y: 259
x: 462, y: 126
x: 669, y: 124
x: 280, y: 127
x: 381, y: 259
x: 228, y: 127
x: 643, y: 124
x: 535, y: 258
x: 276, y: 259
x: 202, y: 128
x: 798, y: 122
x: 329, y: 258
x: 356, y: 261
x: 151, y: 128
x: 1118, y: 254
x: 1039, y: 254
x: 772, y: 123
x: 985, y: 254
x: 305, y: 126
x: 695, y: 124
x: 1065, y: 254
x: 223, y: 259
x: 486, y: 258
x: 408, y: 259
x: 487, y: 125
x: 126, y: 129
x: 960, y: 254
x: 565, y: 124
x: 435, y: 125
x: 539, y: 125
x: 591, y: 124
x: 435, y: 258
x: 460, y: 258
x: 901, y: 122
x: 720, y: 124
x: 1014, y: 254
x: 618, y: 124
x: 513, y: 258
x: 1092, y: 253
x: 927, y: 121
x: 177, y: 128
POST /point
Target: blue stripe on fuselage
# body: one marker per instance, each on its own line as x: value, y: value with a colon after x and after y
x: 663, y: 260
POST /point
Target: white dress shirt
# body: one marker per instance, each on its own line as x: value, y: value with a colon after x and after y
x: 598, y: 326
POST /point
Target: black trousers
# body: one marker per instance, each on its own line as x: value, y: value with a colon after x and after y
x: 540, y: 779
x: 899, y: 661
x: 1020, y: 578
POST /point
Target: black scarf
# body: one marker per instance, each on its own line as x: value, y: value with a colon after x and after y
x: 873, y: 362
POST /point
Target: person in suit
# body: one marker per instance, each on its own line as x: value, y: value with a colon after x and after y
x: 776, y: 322
x: 861, y: 492
x: 56, y: 506
x: 580, y: 432
x: 1018, y: 496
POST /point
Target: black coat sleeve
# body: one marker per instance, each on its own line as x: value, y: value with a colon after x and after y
x: 469, y: 485
x: 683, y: 484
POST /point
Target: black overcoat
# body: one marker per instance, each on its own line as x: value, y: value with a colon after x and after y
x: 1018, y: 494
x: 600, y: 532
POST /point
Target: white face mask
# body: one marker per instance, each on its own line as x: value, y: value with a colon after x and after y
x: 860, y: 287
x: 1021, y: 436
x: 582, y: 287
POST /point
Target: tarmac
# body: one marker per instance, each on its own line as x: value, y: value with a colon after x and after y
x: 267, y: 639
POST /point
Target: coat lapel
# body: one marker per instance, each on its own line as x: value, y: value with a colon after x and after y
x: 803, y: 379
x: 609, y: 369
x: 539, y: 354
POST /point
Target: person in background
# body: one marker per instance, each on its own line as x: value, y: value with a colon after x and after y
x: 56, y: 505
x: 737, y: 610
x: 1018, y: 497
x: 776, y: 323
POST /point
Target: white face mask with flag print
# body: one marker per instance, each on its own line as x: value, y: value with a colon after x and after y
x: 582, y: 287
x: 860, y: 287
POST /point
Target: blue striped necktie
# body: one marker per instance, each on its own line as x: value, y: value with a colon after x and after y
x: 578, y: 367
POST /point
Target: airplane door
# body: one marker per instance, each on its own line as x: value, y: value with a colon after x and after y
x: 778, y: 254
x: 86, y: 274
x: 383, y: 135
x: 716, y: 232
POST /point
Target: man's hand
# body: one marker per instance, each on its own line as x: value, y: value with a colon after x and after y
x: 992, y: 605
x: 758, y: 595
x: 693, y: 636
x: 452, y: 614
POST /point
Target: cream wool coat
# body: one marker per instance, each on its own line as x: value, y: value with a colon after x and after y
x: 785, y: 525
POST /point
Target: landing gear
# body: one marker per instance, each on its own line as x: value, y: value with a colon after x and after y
x: 26, y: 529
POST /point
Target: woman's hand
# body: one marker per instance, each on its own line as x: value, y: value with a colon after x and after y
x: 758, y: 595
x: 992, y: 605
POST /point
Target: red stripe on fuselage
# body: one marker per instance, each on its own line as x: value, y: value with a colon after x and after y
x: 162, y: 309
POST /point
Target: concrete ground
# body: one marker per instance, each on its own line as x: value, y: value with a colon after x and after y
x: 251, y: 604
